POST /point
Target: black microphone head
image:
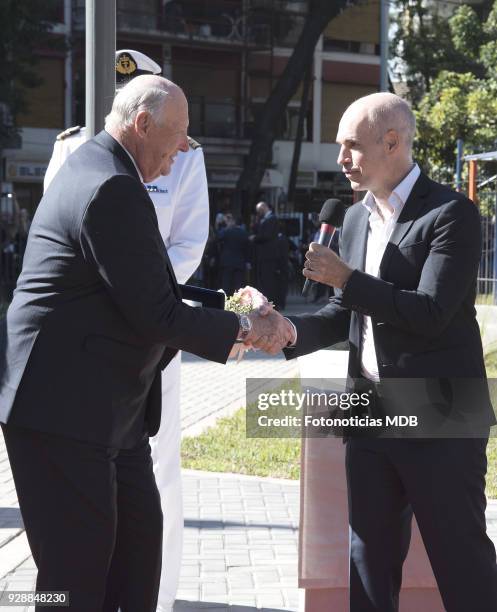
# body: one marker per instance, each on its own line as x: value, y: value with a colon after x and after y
x: 333, y: 212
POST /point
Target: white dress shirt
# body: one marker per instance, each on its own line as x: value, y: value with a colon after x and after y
x: 380, y: 230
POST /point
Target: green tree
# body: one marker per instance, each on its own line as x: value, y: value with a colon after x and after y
x: 458, y: 98
x: 461, y: 104
x: 422, y: 46
x: 24, y: 26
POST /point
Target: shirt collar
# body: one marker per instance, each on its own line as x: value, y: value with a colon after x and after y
x: 131, y: 158
x: 399, y: 195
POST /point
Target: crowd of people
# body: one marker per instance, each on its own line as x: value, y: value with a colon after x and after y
x: 14, y: 228
x: 261, y: 255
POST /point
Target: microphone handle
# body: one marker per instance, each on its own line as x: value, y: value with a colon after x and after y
x: 325, y: 238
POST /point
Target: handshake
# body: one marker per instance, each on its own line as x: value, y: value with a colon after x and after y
x: 270, y: 330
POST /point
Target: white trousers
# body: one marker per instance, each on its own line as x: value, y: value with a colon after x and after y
x: 166, y: 458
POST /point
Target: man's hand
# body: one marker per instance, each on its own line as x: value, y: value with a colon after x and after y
x: 270, y: 331
x: 324, y: 266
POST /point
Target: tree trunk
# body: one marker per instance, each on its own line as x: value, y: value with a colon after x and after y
x: 320, y: 14
x: 304, y: 105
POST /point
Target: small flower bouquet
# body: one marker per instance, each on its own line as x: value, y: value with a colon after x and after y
x: 245, y: 301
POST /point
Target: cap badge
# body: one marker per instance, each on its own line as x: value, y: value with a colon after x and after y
x: 125, y: 64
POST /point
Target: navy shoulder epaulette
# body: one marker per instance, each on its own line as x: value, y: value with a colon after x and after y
x: 193, y: 143
x: 69, y: 132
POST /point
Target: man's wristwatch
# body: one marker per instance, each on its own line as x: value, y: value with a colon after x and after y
x: 245, y: 327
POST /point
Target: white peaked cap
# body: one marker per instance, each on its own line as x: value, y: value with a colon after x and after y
x: 131, y: 63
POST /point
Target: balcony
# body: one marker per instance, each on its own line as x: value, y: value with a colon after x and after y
x: 263, y: 24
x: 226, y: 119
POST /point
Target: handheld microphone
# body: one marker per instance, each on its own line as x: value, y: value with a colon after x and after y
x: 331, y: 217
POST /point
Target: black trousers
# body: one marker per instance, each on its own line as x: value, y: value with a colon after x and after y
x: 93, y: 519
x: 232, y: 279
x: 267, y: 280
x: 443, y: 482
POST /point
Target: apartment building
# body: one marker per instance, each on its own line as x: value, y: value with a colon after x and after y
x: 227, y: 55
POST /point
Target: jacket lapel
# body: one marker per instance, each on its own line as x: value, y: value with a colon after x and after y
x: 357, y: 256
x: 410, y: 212
x: 108, y: 142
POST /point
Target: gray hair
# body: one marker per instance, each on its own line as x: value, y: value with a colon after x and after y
x: 387, y: 111
x: 143, y: 93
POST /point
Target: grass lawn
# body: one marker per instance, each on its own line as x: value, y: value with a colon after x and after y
x: 225, y: 448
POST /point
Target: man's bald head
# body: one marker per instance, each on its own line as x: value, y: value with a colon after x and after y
x: 385, y: 111
x: 262, y: 209
x: 375, y: 136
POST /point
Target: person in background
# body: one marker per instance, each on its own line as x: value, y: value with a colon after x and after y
x: 233, y: 255
x: 265, y: 241
x: 282, y: 267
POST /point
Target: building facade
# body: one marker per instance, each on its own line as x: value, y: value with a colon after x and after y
x: 226, y: 55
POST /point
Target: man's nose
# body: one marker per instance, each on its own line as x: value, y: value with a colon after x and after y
x: 343, y: 156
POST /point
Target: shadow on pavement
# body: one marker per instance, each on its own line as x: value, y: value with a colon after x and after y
x: 211, y: 524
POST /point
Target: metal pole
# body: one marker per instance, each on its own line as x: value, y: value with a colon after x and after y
x: 472, y: 188
x: 384, y: 26
x: 68, y: 65
x: 494, y: 275
x: 459, y: 164
x: 100, y: 62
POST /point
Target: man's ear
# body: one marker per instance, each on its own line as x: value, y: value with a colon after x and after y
x: 391, y: 140
x: 143, y: 122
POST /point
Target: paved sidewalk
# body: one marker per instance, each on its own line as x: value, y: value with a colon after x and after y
x: 240, y: 532
x: 241, y: 535
x: 241, y: 541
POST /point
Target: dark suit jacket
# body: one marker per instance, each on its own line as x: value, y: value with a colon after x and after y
x: 266, y: 239
x: 97, y: 313
x: 234, y: 246
x: 421, y: 304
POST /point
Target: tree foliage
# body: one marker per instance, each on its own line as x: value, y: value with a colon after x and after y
x: 457, y: 97
x: 24, y: 27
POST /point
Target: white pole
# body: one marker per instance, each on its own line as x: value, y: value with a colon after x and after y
x: 384, y: 26
x: 68, y: 65
x: 100, y: 62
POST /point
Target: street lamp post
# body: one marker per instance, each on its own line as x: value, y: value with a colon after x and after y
x: 384, y: 25
x: 100, y: 62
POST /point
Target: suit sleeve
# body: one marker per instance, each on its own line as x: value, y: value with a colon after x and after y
x: 190, y: 220
x: 448, y: 274
x: 120, y: 237
x: 268, y: 230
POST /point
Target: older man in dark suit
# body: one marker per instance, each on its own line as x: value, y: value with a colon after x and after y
x: 405, y: 290
x: 96, y: 314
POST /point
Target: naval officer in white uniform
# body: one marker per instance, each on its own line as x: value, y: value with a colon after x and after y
x: 181, y: 202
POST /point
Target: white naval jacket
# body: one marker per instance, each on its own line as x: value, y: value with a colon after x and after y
x: 181, y: 201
